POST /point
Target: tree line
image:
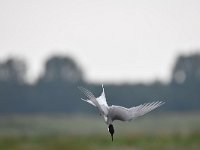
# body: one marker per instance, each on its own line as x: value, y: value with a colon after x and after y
x: 56, y: 89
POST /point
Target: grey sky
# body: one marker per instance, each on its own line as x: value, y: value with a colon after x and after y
x: 113, y: 40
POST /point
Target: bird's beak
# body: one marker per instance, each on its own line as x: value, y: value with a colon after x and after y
x: 112, y: 137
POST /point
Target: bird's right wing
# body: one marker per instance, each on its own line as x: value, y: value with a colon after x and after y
x: 92, y: 100
x: 127, y: 114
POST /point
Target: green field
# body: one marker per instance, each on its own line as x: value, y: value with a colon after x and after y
x: 172, y: 131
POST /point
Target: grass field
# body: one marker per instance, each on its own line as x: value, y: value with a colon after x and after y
x: 172, y: 131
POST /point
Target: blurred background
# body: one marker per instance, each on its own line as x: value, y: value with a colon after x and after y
x: 142, y: 51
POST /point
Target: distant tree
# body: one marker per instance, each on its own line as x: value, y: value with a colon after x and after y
x: 62, y: 69
x: 187, y: 69
x: 13, y: 70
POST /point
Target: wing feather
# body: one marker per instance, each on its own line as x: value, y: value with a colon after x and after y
x: 127, y: 114
x: 145, y: 108
x: 92, y: 100
x: 89, y: 101
x: 89, y: 95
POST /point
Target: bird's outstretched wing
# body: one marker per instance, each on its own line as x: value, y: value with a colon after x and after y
x: 99, y: 102
x: 144, y: 108
x: 127, y: 114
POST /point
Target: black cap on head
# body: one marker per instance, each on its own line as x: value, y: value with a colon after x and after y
x: 111, y: 130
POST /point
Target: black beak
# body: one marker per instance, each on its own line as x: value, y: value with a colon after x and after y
x: 112, y: 137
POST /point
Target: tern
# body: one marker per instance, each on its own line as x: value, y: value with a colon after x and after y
x: 112, y: 113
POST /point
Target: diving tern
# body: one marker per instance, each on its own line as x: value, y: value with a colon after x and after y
x: 111, y: 113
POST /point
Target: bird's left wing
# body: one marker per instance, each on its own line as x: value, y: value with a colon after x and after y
x: 144, y: 108
x: 92, y: 100
x: 127, y: 114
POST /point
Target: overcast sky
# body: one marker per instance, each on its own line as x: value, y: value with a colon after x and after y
x: 112, y: 40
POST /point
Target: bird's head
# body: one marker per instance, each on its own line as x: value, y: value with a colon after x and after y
x: 111, y: 130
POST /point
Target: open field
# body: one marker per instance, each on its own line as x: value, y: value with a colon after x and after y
x: 98, y: 142
x: 60, y: 131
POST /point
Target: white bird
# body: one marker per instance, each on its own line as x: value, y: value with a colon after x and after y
x: 112, y: 113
